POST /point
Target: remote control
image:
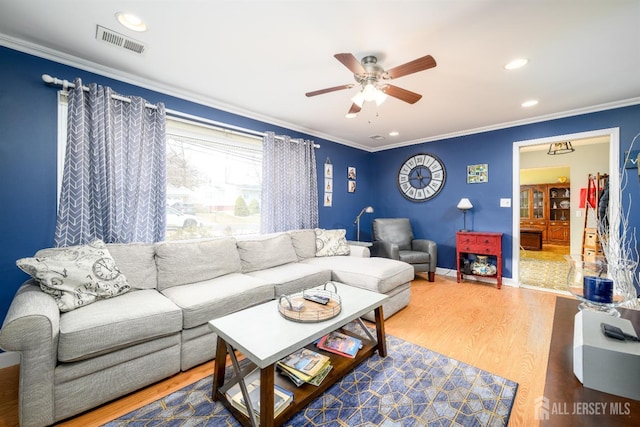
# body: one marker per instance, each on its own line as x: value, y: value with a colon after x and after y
x: 317, y: 298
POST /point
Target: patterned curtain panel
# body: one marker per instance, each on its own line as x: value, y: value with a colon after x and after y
x: 289, y: 185
x: 114, y: 178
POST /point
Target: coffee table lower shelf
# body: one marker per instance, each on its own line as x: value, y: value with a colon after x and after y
x: 304, y: 394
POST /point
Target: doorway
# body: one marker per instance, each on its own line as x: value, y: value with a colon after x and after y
x: 581, y: 164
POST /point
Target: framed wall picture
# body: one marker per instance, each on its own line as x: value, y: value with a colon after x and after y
x: 351, y: 172
x: 328, y: 183
x: 477, y: 174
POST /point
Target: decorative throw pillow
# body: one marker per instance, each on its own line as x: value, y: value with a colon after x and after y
x: 77, y: 275
x: 331, y: 242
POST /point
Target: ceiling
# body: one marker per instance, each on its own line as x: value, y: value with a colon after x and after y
x: 259, y: 58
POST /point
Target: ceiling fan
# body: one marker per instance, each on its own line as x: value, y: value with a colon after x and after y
x: 372, y: 77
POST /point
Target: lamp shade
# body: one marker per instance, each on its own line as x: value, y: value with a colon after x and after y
x: 464, y: 204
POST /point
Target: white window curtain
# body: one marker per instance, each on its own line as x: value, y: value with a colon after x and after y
x: 114, y: 178
x: 289, y: 184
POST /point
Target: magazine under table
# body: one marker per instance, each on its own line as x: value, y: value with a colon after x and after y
x: 304, y: 394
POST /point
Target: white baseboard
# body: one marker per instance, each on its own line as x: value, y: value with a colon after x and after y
x: 450, y: 272
x: 9, y: 358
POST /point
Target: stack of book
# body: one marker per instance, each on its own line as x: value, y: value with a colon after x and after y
x: 305, y: 366
x: 281, y: 396
x: 339, y: 343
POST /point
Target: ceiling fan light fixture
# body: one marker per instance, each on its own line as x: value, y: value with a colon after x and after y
x: 369, y: 92
x: 358, y: 99
x: 379, y: 97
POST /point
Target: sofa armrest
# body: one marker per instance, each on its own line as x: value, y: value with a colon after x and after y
x: 359, y: 251
x: 429, y: 246
x: 385, y: 250
x: 32, y: 328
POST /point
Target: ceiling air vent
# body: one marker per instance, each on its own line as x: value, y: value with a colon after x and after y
x: 377, y: 137
x: 120, y: 40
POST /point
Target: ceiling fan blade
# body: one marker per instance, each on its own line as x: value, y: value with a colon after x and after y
x: 350, y: 61
x: 354, y: 109
x: 402, y: 94
x: 329, y: 89
x: 414, y: 66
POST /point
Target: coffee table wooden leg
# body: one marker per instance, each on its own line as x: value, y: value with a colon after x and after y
x: 382, y: 342
x: 219, y: 367
x: 266, y: 396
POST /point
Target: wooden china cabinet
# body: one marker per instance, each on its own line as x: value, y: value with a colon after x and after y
x: 533, y: 208
x: 559, y: 229
x: 547, y: 208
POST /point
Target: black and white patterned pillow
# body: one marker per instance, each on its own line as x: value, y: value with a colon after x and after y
x: 331, y: 242
x: 77, y: 275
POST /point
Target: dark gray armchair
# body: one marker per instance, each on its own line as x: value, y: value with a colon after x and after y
x: 393, y: 238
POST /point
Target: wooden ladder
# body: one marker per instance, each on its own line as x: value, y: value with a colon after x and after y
x: 591, y: 244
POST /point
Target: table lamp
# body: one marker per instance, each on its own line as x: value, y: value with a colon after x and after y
x: 464, y: 205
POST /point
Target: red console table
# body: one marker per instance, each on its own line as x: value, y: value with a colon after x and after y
x: 479, y: 243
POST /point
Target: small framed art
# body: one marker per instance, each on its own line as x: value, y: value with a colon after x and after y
x: 477, y: 174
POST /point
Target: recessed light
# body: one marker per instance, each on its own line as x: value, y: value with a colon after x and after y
x: 394, y: 133
x: 530, y: 103
x: 516, y: 63
x: 131, y: 21
x: 350, y: 115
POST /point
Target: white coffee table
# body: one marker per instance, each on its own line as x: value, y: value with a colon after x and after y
x: 263, y: 336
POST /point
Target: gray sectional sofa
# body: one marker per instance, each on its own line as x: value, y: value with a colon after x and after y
x: 75, y: 360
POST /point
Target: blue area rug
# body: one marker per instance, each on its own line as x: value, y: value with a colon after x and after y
x: 412, y: 386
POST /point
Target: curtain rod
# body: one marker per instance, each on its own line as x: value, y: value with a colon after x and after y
x: 67, y: 84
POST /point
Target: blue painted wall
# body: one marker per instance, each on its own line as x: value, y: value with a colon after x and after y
x: 28, y: 133
x: 439, y: 219
x: 28, y: 156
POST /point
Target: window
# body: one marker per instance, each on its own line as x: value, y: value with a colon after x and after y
x: 214, y: 179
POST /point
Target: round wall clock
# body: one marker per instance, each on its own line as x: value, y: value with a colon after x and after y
x: 421, y: 177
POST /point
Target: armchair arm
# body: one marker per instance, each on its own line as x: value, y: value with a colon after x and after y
x: 385, y: 250
x: 428, y: 246
x: 32, y: 328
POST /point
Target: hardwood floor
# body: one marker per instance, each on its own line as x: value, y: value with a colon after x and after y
x: 506, y: 332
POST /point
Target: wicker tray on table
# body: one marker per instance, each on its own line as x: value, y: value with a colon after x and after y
x: 299, y: 309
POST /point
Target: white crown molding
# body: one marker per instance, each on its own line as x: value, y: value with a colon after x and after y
x: 76, y: 62
x: 506, y: 125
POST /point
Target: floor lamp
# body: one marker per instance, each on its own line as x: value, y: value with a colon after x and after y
x: 367, y: 209
x: 464, y: 205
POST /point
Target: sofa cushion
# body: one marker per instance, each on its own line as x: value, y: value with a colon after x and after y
x: 210, y: 299
x: 115, y: 323
x: 304, y: 243
x: 266, y: 252
x: 137, y: 262
x: 183, y: 262
x: 293, y: 277
x: 375, y: 274
x: 76, y: 276
x: 331, y: 242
